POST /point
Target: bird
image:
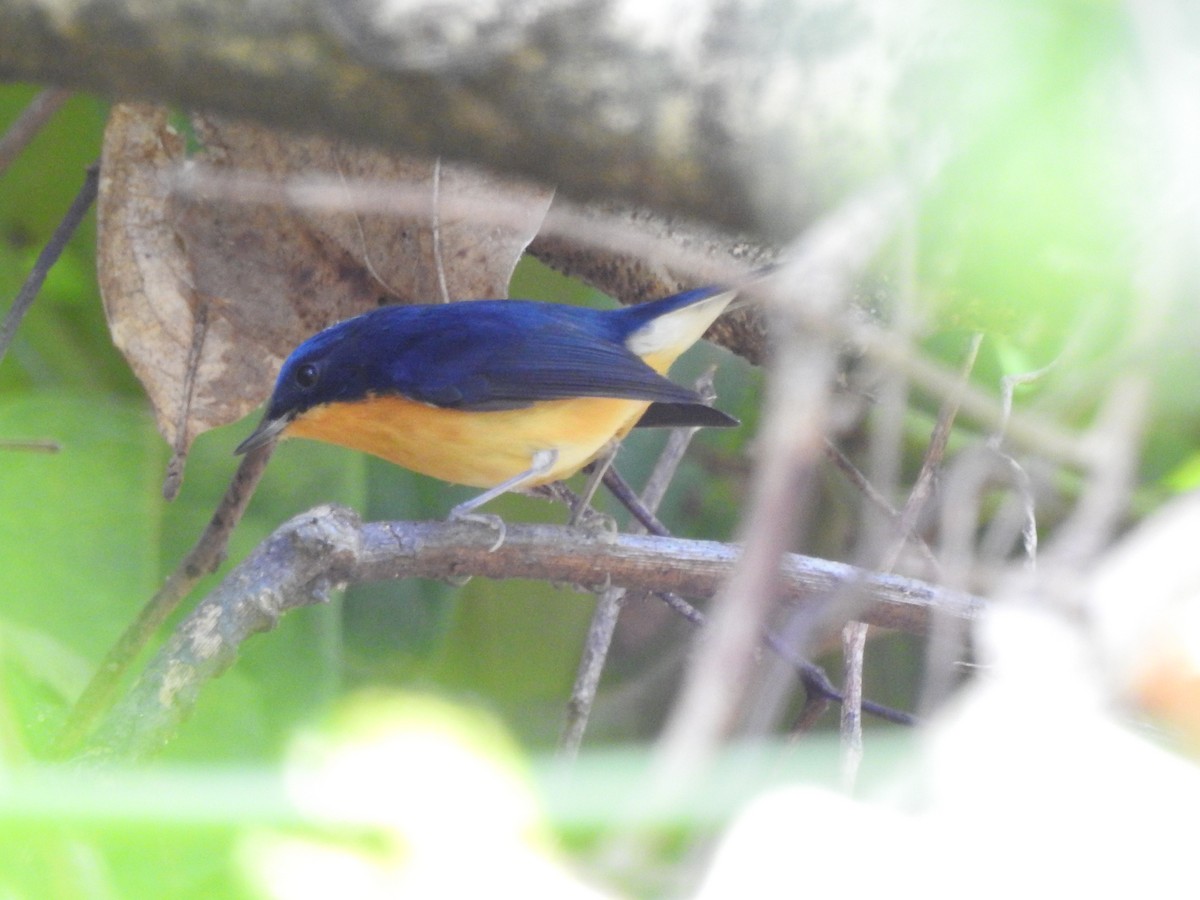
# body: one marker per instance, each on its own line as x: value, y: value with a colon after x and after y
x: 497, y: 394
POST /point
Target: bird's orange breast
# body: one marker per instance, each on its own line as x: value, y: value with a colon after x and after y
x: 480, y: 449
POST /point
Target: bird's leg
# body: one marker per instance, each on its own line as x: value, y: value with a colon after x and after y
x: 541, y: 463
x: 582, y: 504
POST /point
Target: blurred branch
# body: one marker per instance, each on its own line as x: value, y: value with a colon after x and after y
x: 631, y: 254
x: 935, y: 453
x: 1115, y: 439
x: 204, y: 558
x: 1039, y: 434
x: 329, y: 547
x: 820, y: 276
x: 751, y: 119
x: 599, y: 242
x: 854, y: 647
x: 29, y: 123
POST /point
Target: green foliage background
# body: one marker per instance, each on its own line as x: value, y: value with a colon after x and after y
x: 1033, y: 235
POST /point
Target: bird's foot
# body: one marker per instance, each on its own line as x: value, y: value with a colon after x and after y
x: 596, y: 524
x: 494, y: 522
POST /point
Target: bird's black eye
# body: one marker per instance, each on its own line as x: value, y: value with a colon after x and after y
x: 306, y: 376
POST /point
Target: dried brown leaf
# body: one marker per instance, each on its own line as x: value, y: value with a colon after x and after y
x: 194, y: 366
x: 205, y: 298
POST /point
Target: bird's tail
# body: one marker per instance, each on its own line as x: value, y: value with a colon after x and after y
x: 679, y: 322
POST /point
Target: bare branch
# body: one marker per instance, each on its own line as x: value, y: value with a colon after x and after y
x: 756, y: 121
x: 934, y: 454
x: 329, y: 547
x: 591, y: 667
x: 854, y: 636
x: 877, y: 500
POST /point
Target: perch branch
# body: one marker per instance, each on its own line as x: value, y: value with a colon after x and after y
x: 330, y: 547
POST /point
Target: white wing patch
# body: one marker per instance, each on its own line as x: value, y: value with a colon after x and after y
x: 678, y: 330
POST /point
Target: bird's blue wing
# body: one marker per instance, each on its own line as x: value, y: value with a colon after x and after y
x: 508, y: 354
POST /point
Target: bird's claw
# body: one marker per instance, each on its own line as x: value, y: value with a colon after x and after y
x: 494, y: 522
x: 596, y: 524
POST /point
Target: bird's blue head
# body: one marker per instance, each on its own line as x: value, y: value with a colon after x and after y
x: 335, y: 365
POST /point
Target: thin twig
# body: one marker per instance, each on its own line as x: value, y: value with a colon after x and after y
x: 31, y: 120
x: 877, y: 499
x: 364, y: 246
x: 1020, y: 478
x: 814, y: 707
x: 620, y: 488
x: 818, y: 687
x: 582, y: 504
x: 885, y: 452
x: 591, y: 667
x: 1008, y: 387
x: 205, y: 557
x: 48, y: 257
x: 884, y: 455
x: 854, y: 638
x: 1049, y: 439
x: 31, y: 446
x: 922, y: 488
x: 610, y: 600
x: 942, y: 647
x: 187, y: 392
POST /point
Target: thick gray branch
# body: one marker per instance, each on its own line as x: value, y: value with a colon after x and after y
x: 753, y: 115
x: 330, y: 547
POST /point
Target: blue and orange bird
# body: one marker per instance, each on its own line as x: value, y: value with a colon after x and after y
x: 496, y: 394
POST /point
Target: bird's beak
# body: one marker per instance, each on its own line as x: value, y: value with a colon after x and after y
x: 267, y: 430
